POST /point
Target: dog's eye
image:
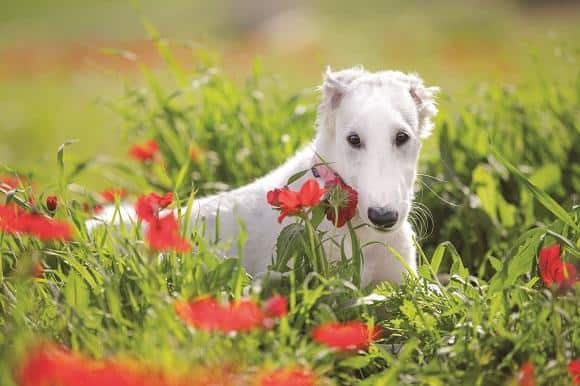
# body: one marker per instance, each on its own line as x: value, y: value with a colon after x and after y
x: 354, y: 140
x: 401, y: 138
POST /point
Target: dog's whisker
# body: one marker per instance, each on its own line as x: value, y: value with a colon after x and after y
x: 423, y: 183
x: 422, y: 219
x: 436, y: 179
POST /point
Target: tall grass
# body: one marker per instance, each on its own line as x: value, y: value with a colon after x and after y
x: 502, y: 184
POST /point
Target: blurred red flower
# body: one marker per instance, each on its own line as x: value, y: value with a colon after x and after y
x: 14, y: 220
x: 51, y: 203
x: 526, y: 375
x: 554, y: 271
x: 96, y: 209
x: 37, y: 270
x: 145, y: 151
x: 343, y: 200
x: 112, y: 194
x: 162, y: 232
x: 148, y: 206
x: 10, y: 182
x: 208, y: 314
x: 574, y: 370
x: 275, y: 307
x: 195, y: 153
x: 288, y: 377
x: 163, y: 235
x: 51, y: 365
x: 353, y: 335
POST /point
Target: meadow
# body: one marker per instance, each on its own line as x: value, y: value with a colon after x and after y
x: 498, y: 189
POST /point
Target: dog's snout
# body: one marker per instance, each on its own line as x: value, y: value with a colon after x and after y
x: 383, y: 216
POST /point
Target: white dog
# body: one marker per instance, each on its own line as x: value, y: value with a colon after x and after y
x: 369, y: 130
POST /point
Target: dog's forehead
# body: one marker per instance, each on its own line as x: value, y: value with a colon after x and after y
x: 379, y: 101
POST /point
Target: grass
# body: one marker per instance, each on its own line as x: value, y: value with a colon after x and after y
x: 500, y: 179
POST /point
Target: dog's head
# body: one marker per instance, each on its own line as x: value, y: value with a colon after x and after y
x: 370, y: 127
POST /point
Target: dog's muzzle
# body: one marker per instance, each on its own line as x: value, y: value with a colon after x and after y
x: 383, y: 218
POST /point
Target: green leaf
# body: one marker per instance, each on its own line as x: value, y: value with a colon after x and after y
x: 225, y: 271
x: 356, y: 362
x: 457, y: 266
x: 60, y: 162
x: 295, y: 177
x: 521, y: 263
x: 486, y: 190
x: 181, y: 176
x: 60, y: 152
x: 76, y: 292
x: 495, y: 263
x: 543, y: 198
x: 546, y: 176
x: 437, y: 258
x: 289, y: 243
x: 318, y: 214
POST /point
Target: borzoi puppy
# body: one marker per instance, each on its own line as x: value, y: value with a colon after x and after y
x: 369, y: 131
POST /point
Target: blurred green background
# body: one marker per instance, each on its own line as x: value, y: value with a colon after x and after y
x: 57, y: 71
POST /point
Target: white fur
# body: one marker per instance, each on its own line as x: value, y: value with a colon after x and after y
x: 375, y: 106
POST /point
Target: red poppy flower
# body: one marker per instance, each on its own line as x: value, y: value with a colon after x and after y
x: 144, y: 152
x: 311, y: 193
x: 50, y: 365
x: 148, y: 206
x: 10, y: 183
x: 112, y: 194
x: 15, y: 220
x: 51, y: 203
x: 276, y: 306
x: 574, y: 370
x: 526, y: 375
x: 291, y: 202
x: 245, y: 315
x: 343, y: 201
x: 554, y: 271
x: 288, y: 377
x: 163, y: 235
x: 354, y: 335
x: 273, y: 197
x: 45, y: 228
x: 8, y: 216
x: 208, y: 314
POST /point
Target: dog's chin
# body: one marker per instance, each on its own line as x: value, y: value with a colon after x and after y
x: 383, y: 230
x: 394, y: 228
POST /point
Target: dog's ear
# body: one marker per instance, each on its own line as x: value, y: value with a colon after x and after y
x: 336, y: 84
x: 334, y: 87
x: 424, y: 98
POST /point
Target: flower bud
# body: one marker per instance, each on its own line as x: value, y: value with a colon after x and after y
x: 51, y: 203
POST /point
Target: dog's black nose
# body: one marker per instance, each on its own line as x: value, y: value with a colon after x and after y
x: 382, y: 216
